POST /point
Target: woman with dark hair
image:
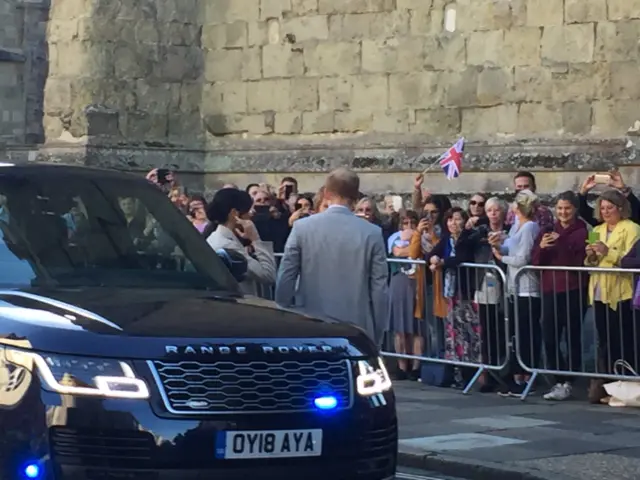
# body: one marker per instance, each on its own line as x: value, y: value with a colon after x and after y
x: 564, y: 293
x: 230, y: 212
x: 198, y: 212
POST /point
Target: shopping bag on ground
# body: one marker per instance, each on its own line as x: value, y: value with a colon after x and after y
x: 623, y: 393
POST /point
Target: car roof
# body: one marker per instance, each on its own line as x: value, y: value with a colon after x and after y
x: 47, y: 168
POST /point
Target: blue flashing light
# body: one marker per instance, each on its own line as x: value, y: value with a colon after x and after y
x: 328, y: 402
x: 32, y: 470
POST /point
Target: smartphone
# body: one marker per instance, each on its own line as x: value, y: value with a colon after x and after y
x: 163, y: 173
x: 288, y: 191
x: 602, y: 178
x: 594, y: 237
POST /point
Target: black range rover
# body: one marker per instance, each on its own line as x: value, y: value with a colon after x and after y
x: 127, y: 351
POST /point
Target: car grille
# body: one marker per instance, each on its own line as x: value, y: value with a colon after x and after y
x: 251, y: 387
x: 101, y: 447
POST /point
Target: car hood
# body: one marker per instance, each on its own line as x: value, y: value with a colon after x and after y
x: 139, y: 323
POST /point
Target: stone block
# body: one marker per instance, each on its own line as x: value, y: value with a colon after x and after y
x: 576, y: 118
x: 87, y: 59
x: 623, y: 9
x: 495, y: 86
x: 257, y: 34
x: 57, y: 96
x: 304, y: 94
x: 370, y: 93
x: 229, y: 11
x: 393, y: 55
x: 445, y: 52
x: 389, y: 24
x: 251, y: 64
x: 190, y: 97
x: 281, y: 61
x: 568, y: 44
x: 426, y: 22
x: 142, y: 126
x: 485, y: 48
x: 185, y: 129
x: 223, y: 65
x: 582, y: 81
x: 180, y: 63
x: 288, y: 123
x: 318, y: 122
x: 146, y: 31
x: 533, y: 84
x: 182, y: 34
x: 417, y: 90
x: 224, y: 98
x: 462, y: 88
x: 584, y: 11
x: 330, y: 7
x: 545, y: 13
x: 235, y: 124
x: 539, y: 119
x: 269, y: 95
x: 438, y: 123
x: 61, y: 30
x: 392, y: 121
x: 303, y: 29
x: 522, y: 46
x: 487, y: 122
x: 414, y: 4
x: 617, y: 42
x: 351, y: 27
x: 334, y: 93
x: 167, y: 11
x: 304, y: 7
x: 274, y: 8
x: 226, y: 35
x: 353, y: 121
x: 615, y: 117
x: 624, y: 80
x: 153, y: 98
x: 332, y: 59
x: 477, y: 15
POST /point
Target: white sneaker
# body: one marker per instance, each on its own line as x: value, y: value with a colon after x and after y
x: 559, y: 392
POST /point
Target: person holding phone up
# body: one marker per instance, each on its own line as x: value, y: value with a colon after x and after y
x: 564, y: 293
x: 612, y: 179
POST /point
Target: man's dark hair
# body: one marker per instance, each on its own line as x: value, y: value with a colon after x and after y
x: 528, y: 175
x: 290, y: 180
x: 250, y: 186
x: 226, y: 200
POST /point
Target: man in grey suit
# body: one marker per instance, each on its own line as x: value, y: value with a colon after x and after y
x: 340, y: 262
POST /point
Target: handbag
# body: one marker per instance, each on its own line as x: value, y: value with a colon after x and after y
x: 623, y: 393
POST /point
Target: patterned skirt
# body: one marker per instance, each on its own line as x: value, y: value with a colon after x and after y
x: 462, y: 332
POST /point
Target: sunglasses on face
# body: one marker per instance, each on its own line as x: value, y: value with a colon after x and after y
x: 473, y: 203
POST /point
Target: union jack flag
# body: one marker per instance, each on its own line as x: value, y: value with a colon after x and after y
x: 451, y: 160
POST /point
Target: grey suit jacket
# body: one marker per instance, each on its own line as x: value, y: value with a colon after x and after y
x: 341, y: 263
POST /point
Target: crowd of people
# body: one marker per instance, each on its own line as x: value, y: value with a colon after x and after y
x: 447, y: 308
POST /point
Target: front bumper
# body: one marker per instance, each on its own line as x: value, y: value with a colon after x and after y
x: 95, y: 439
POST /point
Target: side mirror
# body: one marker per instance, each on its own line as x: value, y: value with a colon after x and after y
x: 235, y: 262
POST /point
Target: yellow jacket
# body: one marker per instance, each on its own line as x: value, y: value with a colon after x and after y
x: 614, y: 287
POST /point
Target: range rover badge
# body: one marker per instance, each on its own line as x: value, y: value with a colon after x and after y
x: 197, y: 404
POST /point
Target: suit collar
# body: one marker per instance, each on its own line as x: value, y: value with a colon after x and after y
x: 341, y: 209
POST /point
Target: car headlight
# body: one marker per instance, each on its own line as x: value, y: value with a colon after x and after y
x: 72, y: 375
x: 373, y: 377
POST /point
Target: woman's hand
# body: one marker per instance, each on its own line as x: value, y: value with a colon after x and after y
x: 588, y: 184
x: 249, y: 231
x: 424, y: 225
x: 600, y: 249
x: 471, y: 223
x: 495, y: 239
x: 548, y: 240
x: 435, y: 260
x: 496, y: 254
x: 274, y: 212
x: 616, y: 180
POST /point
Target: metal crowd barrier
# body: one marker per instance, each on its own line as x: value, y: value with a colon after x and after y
x: 550, y: 331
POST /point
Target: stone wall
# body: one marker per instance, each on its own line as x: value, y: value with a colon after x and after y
x: 255, y: 87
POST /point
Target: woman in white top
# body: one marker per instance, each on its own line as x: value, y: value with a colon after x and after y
x: 230, y: 210
x: 524, y: 294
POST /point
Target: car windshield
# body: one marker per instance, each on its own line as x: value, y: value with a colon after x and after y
x: 78, y: 230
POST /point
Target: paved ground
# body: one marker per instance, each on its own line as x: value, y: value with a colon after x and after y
x: 480, y: 436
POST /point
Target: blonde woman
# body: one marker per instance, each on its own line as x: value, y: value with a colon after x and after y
x: 611, y: 293
x: 515, y: 252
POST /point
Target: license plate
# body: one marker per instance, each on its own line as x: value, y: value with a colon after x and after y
x: 269, y: 444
